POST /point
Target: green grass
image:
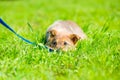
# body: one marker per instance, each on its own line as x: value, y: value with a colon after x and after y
x: 97, y: 58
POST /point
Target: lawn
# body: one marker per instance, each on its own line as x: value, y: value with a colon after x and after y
x: 97, y: 58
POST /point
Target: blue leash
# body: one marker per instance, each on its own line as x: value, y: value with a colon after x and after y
x: 26, y: 40
x: 8, y: 27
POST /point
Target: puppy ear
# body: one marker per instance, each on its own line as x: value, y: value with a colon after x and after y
x: 74, y: 38
x: 52, y: 33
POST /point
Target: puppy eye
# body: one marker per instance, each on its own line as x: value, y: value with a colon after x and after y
x: 54, y: 43
x: 65, y: 43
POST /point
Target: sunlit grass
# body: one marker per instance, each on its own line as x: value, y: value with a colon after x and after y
x: 98, y: 57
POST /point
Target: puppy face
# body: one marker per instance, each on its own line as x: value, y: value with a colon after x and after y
x: 61, y: 42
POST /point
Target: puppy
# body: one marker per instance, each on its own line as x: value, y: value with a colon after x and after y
x: 63, y: 35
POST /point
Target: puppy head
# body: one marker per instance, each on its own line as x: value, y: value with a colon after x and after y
x: 61, y: 41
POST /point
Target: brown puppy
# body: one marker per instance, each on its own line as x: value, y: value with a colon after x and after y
x: 63, y: 35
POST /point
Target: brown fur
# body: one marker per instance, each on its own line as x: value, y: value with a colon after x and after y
x: 63, y: 35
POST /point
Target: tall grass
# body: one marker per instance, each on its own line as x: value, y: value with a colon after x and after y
x: 98, y: 57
